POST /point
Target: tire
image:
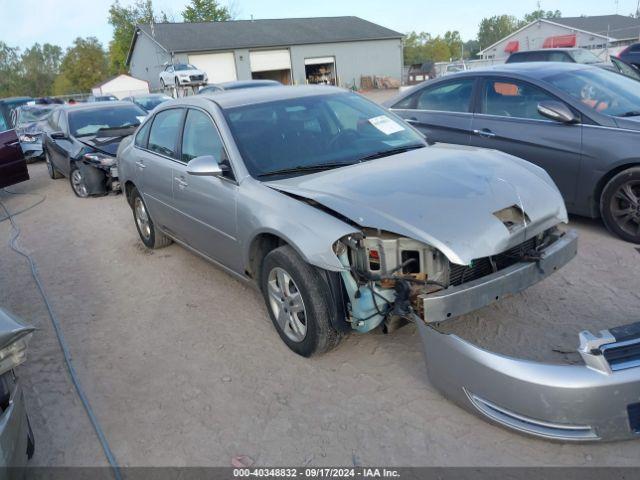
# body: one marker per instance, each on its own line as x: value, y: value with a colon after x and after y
x: 162, y: 84
x: 620, y: 205
x: 149, y: 234
x: 53, y: 173
x: 77, y: 182
x: 304, y: 321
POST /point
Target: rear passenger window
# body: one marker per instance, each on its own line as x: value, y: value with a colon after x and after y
x: 451, y: 97
x: 200, y: 137
x: 163, y: 137
x: 142, y: 135
x: 510, y: 98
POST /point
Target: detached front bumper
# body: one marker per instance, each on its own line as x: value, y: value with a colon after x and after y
x: 470, y: 296
x: 599, y: 400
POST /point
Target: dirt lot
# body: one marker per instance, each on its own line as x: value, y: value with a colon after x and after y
x: 183, y: 366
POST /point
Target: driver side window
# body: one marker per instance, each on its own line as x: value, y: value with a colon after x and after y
x: 512, y: 98
x: 200, y: 137
x: 454, y: 96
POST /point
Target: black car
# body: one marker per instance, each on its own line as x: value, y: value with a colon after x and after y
x: 30, y: 124
x: 631, y: 54
x: 82, y: 143
x: 238, y: 84
x: 101, y: 98
x: 148, y: 101
x: 578, y: 122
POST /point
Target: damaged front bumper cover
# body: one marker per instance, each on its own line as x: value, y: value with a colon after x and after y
x: 590, y: 402
x: 455, y: 301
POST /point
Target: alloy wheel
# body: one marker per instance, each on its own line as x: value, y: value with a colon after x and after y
x: 625, y: 207
x: 77, y: 182
x: 142, y: 218
x: 287, y: 304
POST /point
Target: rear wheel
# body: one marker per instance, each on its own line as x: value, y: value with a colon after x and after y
x: 53, y: 173
x: 149, y: 234
x: 298, y: 301
x: 162, y: 84
x: 620, y: 205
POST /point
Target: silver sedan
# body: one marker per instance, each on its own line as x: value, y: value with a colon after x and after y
x: 344, y: 217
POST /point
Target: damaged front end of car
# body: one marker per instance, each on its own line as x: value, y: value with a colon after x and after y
x: 390, y: 279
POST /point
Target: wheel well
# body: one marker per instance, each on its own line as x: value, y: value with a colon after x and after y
x: 128, y: 188
x: 605, y: 179
x: 261, y: 245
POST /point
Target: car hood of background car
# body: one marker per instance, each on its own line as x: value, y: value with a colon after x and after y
x: 444, y: 196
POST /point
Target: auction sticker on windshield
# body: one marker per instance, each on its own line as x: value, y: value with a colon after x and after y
x: 386, y: 125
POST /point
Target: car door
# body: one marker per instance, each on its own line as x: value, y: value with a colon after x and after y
x: 442, y: 110
x: 207, y: 204
x: 167, y: 75
x: 13, y: 166
x: 154, y: 166
x: 59, y: 148
x: 507, y: 119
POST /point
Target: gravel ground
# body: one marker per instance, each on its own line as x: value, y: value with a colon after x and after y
x: 183, y: 366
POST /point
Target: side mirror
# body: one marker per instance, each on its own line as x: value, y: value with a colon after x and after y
x: 58, y: 135
x: 205, y: 166
x: 556, y: 111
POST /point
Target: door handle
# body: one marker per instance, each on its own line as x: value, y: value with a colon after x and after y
x: 181, y: 183
x: 485, y: 133
x: 141, y: 165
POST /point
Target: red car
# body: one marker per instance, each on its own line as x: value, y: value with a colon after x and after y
x: 13, y: 166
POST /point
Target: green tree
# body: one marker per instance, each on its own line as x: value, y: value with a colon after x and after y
x: 496, y: 28
x: 39, y: 66
x: 414, y: 47
x: 471, y: 48
x: 205, y: 11
x: 539, y: 14
x: 83, y: 66
x: 124, y: 21
x: 454, y: 42
x: 9, y: 70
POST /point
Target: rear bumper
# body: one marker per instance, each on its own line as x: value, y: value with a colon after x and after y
x: 456, y: 301
x: 568, y: 403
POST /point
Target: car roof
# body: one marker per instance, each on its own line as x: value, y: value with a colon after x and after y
x: 15, y: 99
x: 538, y: 70
x: 245, y: 83
x: 554, y: 49
x: 95, y: 106
x: 240, y: 97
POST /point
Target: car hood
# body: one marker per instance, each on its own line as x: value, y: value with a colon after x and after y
x: 108, y: 145
x: 443, y: 195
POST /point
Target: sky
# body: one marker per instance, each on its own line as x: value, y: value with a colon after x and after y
x: 60, y: 21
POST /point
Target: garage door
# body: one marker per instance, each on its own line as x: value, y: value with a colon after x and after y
x: 267, y: 60
x: 220, y: 67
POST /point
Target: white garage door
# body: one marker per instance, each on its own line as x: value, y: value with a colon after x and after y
x: 267, y: 60
x: 220, y: 67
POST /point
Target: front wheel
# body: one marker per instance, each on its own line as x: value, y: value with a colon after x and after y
x: 298, y: 301
x: 620, y: 205
x: 78, y: 182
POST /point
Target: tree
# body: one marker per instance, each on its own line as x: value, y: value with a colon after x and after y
x: 39, y: 66
x: 83, y: 66
x: 496, y: 28
x: 124, y: 21
x: 540, y: 14
x: 205, y: 11
x: 454, y: 42
x: 9, y: 70
x: 421, y: 47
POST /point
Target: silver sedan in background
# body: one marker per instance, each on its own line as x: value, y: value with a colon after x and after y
x: 347, y: 221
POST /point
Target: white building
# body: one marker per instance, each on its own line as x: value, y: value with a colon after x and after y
x: 600, y: 33
x: 121, y: 86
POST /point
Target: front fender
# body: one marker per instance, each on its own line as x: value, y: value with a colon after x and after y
x: 307, y: 229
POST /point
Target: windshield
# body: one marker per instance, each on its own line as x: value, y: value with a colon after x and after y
x: 303, y: 133
x: 585, y: 56
x: 88, y: 122
x: 28, y: 115
x: 183, y: 66
x: 149, y: 103
x: 601, y: 90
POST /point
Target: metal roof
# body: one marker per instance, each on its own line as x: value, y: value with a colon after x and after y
x: 210, y: 36
x: 618, y: 27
